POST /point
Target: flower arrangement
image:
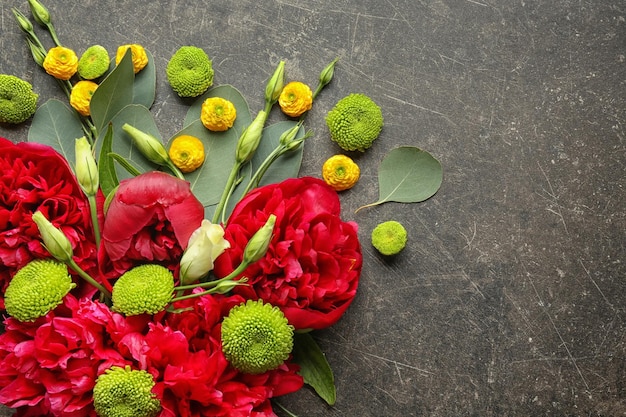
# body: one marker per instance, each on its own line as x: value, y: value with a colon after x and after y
x: 149, y: 279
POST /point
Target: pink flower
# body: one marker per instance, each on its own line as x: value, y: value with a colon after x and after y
x: 150, y: 219
x: 312, y: 267
x: 35, y: 177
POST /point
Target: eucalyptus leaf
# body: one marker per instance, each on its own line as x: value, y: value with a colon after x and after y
x: 314, y: 367
x: 56, y: 125
x: 229, y: 93
x: 141, y: 118
x: 144, y: 87
x: 407, y: 175
x: 113, y: 94
x: 106, y: 165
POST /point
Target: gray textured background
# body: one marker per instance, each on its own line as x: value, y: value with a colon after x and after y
x: 509, y: 299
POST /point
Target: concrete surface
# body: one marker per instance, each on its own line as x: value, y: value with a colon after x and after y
x: 509, y: 299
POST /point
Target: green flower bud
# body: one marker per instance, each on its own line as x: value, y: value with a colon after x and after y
x: 275, y: 84
x: 327, y: 73
x: 260, y: 241
x: 250, y: 138
x: 149, y: 146
x: 36, y: 289
x: 389, y: 238
x: 54, y: 239
x: 289, y: 135
x: 123, y: 392
x: 256, y: 337
x: 94, y: 62
x: 38, y: 54
x: 23, y: 21
x: 86, y: 168
x: 40, y: 13
x: 144, y: 289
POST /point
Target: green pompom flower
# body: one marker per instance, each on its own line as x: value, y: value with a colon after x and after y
x: 123, y: 392
x: 144, y: 289
x: 389, y: 238
x: 37, y: 288
x: 355, y: 122
x: 256, y: 337
x: 17, y: 100
x: 93, y: 63
x: 190, y: 71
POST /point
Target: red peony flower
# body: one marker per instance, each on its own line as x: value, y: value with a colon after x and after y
x: 150, y: 219
x: 49, y: 367
x: 312, y: 267
x: 35, y: 177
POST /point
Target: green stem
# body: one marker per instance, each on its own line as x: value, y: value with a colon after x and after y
x: 94, y: 218
x: 258, y: 175
x: 228, y: 190
x: 53, y: 34
x: 289, y: 413
x: 72, y: 264
x: 242, y: 267
x: 175, y: 170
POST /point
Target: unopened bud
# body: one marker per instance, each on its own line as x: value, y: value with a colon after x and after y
x: 224, y: 287
x: 327, y: 73
x: 260, y: 241
x: 250, y: 138
x: 38, y: 54
x: 40, y: 13
x: 86, y: 168
x: 149, y: 146
x: 275, y: 84
x: 23, y: 21
x: 289, y: 135
x: 54, y: 239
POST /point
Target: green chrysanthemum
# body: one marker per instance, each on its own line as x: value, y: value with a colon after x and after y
x: 256, y: 337
x: 389, y: 238
x: 94, y: 62
x: 123, y: 392
x: 37, y: 288
x: 355, y: 122
x: 190, y: 71
x: 17, y: 100
x: 143, y: 289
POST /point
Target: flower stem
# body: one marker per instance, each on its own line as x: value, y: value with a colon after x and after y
x: 94, y: 218
x: 242, y: 267
x: 175, y: 170
x: 228, y: 190
x: 72, y: 264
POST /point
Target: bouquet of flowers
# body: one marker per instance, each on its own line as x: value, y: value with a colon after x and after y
x: 143, y: 279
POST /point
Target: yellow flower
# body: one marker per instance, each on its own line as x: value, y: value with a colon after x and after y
x: 340, y: 172
x: 218, y: 114
x: 61, y: 63
x: 81, y: 96
x: 187, y: 153
x: 295, y: 99
x: 140, y: 58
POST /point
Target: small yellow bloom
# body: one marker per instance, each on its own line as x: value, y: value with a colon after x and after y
x: 140, y: 58
x: 340, y: 172
x: 295, y: 99
x: 187, y: 153
x: 61, y: 63
x: 218, y: 114
x: 81, y: 96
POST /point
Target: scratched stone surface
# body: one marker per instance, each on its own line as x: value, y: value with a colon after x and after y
x: 509, y: 299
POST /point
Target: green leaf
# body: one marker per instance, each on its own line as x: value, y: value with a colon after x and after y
x: 141, y: 118
x: 56, y: 125
x: 407, y: 175
x: 144, y: 88
x: 124, y: 163
x: 229, y: 93
x: 106, y: 166
x: 314, y: 367
x: 113, y: 94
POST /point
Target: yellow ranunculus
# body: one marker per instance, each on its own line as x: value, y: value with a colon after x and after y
x: 295, y: 99
x: 61, y: 63
x: 340, y: 172
x: 140, y: 58
x: 218, y: 114
x: 187, y: 153
x: 80, y: 98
